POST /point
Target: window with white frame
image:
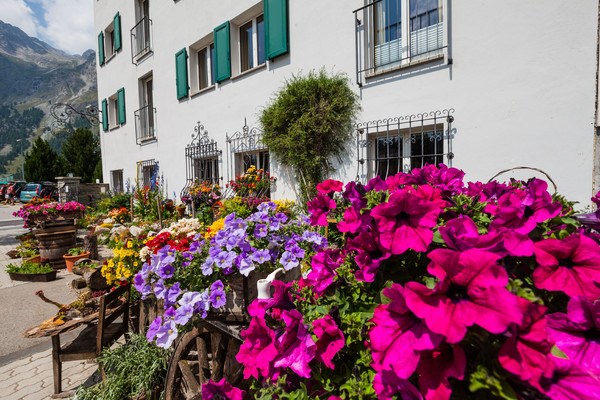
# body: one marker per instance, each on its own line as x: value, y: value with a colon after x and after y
x: 393, y: 33
x: 258, y: 158
x: 116, y: 180
x: 202, y: 64
x: 148, y: 173
x: 145, y: 115
x: 113, y: 110
x: 206, y: 169
x: 109, y: 40
x: 252, y: 43
x: 140, y: 33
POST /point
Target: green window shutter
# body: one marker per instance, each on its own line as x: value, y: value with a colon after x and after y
x: 222, y: 52
x: 276, y: 28
x: 104, y: 115
x: 117, y: 28
x: 101, y: 48
x: 181, y: 76
x: 121, y: 105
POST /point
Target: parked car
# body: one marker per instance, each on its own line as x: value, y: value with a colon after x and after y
x: 29, y: 191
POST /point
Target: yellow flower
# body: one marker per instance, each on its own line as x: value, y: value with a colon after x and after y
x: 129, y: 244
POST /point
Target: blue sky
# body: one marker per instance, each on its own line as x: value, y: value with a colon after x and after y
x: 67, y: 25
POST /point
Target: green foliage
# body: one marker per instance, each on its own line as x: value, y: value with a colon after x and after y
x: 75, y: 251
x: 29, y: 268
x: 132, y: 369
x: 235, y: 205
x: 82, y: 153
x: 117, y: 201
x: 309, y: 122
x: 41, y: 162
x: 13, y: 126
x: 97, y: 172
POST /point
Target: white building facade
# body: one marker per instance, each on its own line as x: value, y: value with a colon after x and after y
x: 478, y: 85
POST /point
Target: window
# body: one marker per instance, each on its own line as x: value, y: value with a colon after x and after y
x: 260, y: 159
x: 109, y: 40
x: 140, y: 33
x: 402, y: 144
x: 148, y: 173
x: 113, y: 110
x: 145, y: 115
x: 202, y: 64
x: 395, y: 33
x: 252, y: 44
x: 116, y: 180
x: 206, y: 169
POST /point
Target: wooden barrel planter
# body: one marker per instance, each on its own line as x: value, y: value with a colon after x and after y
x: 42, y: 277
x: 55, y: 241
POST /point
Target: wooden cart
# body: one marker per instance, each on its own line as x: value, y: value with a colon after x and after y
x: 208, y: 351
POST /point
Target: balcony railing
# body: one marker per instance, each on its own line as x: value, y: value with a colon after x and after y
x: 145, y: 123
x: 140, y: 39
x: 382, y: 45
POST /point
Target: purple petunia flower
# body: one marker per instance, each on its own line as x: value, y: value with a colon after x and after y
x: 260, y: 231
x: 218, y: 298
x: 261, y: 256
x: 288, y: 260
x: 189, y: 298
x: 206, y: 266
x: 217, y: 285
x: 159, y: 289
x: 245, y: 264
x: 166, y: 334
x: 172, y: 294
x: 153, y: 328
x: 225, y: 259
x: 183, y: 314
x: 166, y: 271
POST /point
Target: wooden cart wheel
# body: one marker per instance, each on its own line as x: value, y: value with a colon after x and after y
x: 206, y: 352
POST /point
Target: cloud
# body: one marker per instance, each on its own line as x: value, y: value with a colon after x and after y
x: 19, y: 14
x: 69, y: 25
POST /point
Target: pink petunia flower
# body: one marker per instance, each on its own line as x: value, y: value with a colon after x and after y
x: 577, y: 333
x: 526, y: 351
x: 369, y: 257
x: 405, y: 222
x: 331, y: 340
x: 295, y: 348
x: 221, y: 391
x: 387, y: 385
x: 462, y: 233
x: 329, y: 186
x: 570, y: 382
x: 571, y: 265
x: 319, y: 207
x: 398, y: 336
x: 436, y: 366
x: 323, y: 272
x: 354, y: 221
x: 258, y: 350
x: 471, y: 290
x: 281, y: 300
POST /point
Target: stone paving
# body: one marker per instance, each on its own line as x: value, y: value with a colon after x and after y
x: 31, y: 378
x: 27, y: 374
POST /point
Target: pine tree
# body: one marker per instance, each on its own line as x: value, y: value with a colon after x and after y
x: 82, y: 154
x: 40, y: 162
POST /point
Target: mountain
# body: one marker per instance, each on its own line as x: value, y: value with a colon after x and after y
x: 34, y: 74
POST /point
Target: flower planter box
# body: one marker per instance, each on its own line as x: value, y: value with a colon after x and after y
x: 70, y: 260
x: 43, y: 277
x: 56, y: 217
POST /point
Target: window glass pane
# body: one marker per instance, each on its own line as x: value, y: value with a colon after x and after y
x: 388, y: 23
x: 388, y: 156
x: 426, y: 148
x: 423, y: 13
x: 246, y: 50
x: 260, y: 37
x: 202, y: 70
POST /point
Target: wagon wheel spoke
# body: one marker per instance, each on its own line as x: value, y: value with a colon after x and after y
x: 219, y: 344
x: 191, y: 388
x: 204, y: 367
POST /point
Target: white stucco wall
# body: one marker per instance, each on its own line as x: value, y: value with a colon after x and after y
x: 522, y: 84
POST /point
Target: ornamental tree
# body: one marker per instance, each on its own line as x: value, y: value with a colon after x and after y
x: 41, y: 162
x: 308, y: 123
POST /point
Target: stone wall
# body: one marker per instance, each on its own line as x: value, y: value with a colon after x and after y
x: 91, y: 193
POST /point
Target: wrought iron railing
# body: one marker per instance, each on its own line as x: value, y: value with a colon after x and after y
x: 140, y: 39
x: 388, y: 146
x: 145, y: 124
x: 381, y: 43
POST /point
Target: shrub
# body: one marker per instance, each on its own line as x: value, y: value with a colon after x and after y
x: 309, y: 122
x: 29, y: 268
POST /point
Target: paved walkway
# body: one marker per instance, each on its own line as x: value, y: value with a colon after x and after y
x: 26, y: 364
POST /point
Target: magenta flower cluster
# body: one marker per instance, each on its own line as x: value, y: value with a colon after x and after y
x: 29, y: 210
x: 437, y: 285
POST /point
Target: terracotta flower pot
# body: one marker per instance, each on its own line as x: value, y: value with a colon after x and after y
x: 181, y: 212
x: 70, y: 260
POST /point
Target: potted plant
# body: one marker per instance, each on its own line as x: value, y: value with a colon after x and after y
x: 25, y: 236
x: 181, y: 210
x: 73, y: 255
x: 31, y: 272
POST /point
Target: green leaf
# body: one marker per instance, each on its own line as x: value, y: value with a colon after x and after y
x: 481, y: 379
x: 556, y: 352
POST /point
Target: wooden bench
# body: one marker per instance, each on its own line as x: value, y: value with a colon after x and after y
x: 90, y: 342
